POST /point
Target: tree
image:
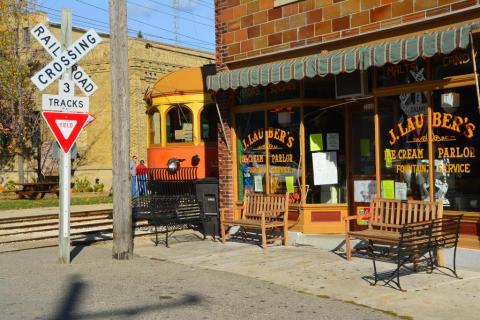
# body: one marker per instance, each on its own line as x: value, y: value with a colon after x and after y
x: 19, y: 121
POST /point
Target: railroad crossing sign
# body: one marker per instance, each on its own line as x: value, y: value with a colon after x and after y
x: 64, y: 60
x: 65, y: 101
x: 65, y: 114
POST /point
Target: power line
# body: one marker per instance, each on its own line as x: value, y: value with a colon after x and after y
x: 183, y: 10
x: 104, y: 27
x: 169, y: 14
x: 145, y: 23
x: 203, y: 3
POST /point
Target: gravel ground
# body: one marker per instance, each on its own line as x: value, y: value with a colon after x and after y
x: 34, y: 286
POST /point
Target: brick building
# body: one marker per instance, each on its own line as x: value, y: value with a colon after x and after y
x: 336, y: 100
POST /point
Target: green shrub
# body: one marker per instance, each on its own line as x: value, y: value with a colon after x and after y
x: 10, y: 186
x: 82, y: 185
x: 98, y: 187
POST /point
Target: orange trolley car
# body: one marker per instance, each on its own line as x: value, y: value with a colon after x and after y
x: 182, y: 122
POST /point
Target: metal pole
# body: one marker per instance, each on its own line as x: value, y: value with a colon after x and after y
x: 65, y: 158
x: 122, y: 197
x: 474, y: 61
x: 223, y: 127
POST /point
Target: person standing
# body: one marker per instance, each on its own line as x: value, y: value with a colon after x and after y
x: 141, y: 172
x: 133, y: 174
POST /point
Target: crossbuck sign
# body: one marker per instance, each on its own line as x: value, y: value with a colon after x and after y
x: 65, y: 114
x: 64, y: 60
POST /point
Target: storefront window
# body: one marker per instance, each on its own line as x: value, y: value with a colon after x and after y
x: 250, y: 95
x: 456, y: 144
x: 251, y: 152
x: 154, y: 127
x: 325, y: 155
x: 320, y: 87
x: 179, y: 125
x: 456, y: 63
x: 405, y: 72
x: 284, y: 151
x: 404, y: 146
x: 283, y: 91
x: 208, y: 123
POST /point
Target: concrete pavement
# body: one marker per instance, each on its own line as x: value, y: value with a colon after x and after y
x: 34, y: 286
x: 320, y: 272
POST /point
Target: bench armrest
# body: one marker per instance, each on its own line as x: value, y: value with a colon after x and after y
x: 222, y: 214
x: 350, y: 218
x: 363, y: 217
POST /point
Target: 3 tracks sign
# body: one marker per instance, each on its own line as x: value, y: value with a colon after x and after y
x: 65, y: 113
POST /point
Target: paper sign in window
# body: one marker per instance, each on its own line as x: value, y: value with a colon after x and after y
x: 316, y: 142
x: 364, y: 148
x: 364, y: 190
x: 388, y: 189
x: 258, y: 183
x: 324, y: 168
x: 333, y: 141
x: 401, y: 190
x: 289, y: 183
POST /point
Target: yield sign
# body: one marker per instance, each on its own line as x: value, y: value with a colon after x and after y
x: 65, y: 126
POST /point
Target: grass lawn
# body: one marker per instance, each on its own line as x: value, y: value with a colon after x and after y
x: 51, y: 202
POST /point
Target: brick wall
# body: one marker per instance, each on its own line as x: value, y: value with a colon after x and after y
x: 250, y: 28
x: 225, y: 168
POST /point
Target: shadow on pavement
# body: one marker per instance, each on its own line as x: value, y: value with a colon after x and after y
x: 67, y: 309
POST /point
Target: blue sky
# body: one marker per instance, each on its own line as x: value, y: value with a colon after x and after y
x: 154, y: 18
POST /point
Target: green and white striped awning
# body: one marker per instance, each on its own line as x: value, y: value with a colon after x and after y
x: 361, y: 58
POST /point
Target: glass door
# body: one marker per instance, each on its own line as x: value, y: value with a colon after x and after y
x: 362, y: 184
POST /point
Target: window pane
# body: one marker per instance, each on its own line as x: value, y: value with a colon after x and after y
x: 325, y: 155
x: 154, y: 126
x: 179, y: 125
x: 403, y: 73
x: 208, y: 123
x: 251, y: 152
x: 404, y: 147
x: 284, y: 151
x: 456, y: 122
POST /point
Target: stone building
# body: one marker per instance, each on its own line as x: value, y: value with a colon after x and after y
x: 146, y: 61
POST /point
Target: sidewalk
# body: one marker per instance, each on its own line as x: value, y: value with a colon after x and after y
x: 325, y: 274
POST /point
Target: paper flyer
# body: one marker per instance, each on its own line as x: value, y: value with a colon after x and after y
x: 316, y: 142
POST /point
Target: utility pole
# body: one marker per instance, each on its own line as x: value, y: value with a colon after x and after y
x: 122, y: 198
x: 65, y: 158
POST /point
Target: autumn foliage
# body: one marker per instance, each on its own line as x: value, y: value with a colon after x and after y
x: 19, y: 120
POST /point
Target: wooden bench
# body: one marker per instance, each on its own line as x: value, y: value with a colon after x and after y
x: 262, y: 212
x: 388, y: 216
x: 35, y: 189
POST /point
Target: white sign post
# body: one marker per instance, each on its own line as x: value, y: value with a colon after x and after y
x: 65, y: 113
